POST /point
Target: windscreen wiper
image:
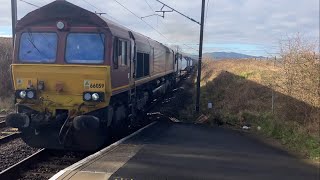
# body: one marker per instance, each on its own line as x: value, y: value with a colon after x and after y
x: 31, y: 40
x: 101, y: 38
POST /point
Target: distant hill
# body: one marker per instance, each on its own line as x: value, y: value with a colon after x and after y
x: 5, y: 39
x: 225, y: 55
x: 228, y: 55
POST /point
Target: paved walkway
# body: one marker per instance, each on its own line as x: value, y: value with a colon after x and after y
x: 186, y: 151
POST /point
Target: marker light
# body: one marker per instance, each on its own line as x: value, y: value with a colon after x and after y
x: 30, y: 94
x: 95, y: 96
x: 22, y: 94
x: 87, y: 96
x: 60, y: 25
x: 41, y: 85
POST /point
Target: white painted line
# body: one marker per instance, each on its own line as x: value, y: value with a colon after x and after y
x: 56, y: 176
x: 97, y: 154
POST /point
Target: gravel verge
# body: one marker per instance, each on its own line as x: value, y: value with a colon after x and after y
x: 13, y: 152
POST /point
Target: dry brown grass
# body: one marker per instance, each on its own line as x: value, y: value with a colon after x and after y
x: 292, y: 81
x: 247, y: 85
x: 242, y: 92
x: 255, y: 70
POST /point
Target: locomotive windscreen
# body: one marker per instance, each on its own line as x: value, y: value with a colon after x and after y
x: 38, y: 47
x: 85, y: 48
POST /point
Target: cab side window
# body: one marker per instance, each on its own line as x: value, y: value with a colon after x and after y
x: 120, y: 57
x: 143, y: 66
x: 123, y: 53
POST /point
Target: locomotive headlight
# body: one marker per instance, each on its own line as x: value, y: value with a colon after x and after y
x: 30, y: 94
x: 23, y: 94
x: 60, y: 25
x: 87, y: 96
x: 95, y: 96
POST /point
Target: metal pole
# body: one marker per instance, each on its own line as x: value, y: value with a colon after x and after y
x: 14, y: 18
x: 272, y: 99
x: 200, y: 57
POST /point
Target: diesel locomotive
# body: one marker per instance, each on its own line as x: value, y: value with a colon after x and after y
x: 80, y: 78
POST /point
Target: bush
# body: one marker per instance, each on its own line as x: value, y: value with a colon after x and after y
x: 5, y: 77
x: 300, y: 74
x: 282, y: 97
x: 291, y: 134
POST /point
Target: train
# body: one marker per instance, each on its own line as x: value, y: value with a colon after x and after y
x: 80, y: 79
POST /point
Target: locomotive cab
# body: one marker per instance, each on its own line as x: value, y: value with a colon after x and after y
x: 61, y: 76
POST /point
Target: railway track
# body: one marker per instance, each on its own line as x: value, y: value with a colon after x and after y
x: 2, y: 122
x: 42, y: 165
x: 45, y: 163
x: 7, y: 134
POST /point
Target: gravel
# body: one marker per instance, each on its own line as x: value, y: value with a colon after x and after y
x: 16, y: 150
x: 176, y: 100
x: 13, y: 152
x: 52, y: 164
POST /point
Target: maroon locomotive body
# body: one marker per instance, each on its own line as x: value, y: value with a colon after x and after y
x: 80, y: 78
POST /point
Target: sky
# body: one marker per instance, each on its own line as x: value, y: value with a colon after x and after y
x: 252, y: 27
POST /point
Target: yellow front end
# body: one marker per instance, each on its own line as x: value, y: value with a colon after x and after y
x: 64, y: 86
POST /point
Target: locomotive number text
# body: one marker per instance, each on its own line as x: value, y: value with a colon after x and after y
x: 93, y: 86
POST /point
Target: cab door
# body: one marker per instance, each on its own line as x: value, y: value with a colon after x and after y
x: 132, y: 59
x: 121, y: 65
x: 132, y: 68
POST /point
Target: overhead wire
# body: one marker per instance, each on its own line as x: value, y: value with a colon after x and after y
x: 189, y: 47
x: 100, y: 10
x: 95, y: 7
x: 149, y: 6
x: 182, y: 15
x: 152, y: 10
x: 141, y: 19
x: 31, y: 4
x: 161, y: 34
x: 92, y: 5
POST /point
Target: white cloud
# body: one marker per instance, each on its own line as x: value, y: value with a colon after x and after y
x: 229, y: 21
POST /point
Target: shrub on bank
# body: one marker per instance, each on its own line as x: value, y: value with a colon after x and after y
x: 281, y: 96
x: 6, y: 101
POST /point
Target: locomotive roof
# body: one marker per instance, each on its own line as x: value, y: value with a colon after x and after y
x: 61, y: 9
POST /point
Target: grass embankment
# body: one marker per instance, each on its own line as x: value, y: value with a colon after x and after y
x: 6, y: 100
x: 252, y: 92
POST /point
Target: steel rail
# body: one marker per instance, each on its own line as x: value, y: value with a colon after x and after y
x: 2, y: 121
x: 9, y: 137
x: 2, y: 124
x: 14, y: 170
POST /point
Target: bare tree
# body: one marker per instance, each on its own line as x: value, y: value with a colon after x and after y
x: 5, y: 62
x: 301, y: 73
